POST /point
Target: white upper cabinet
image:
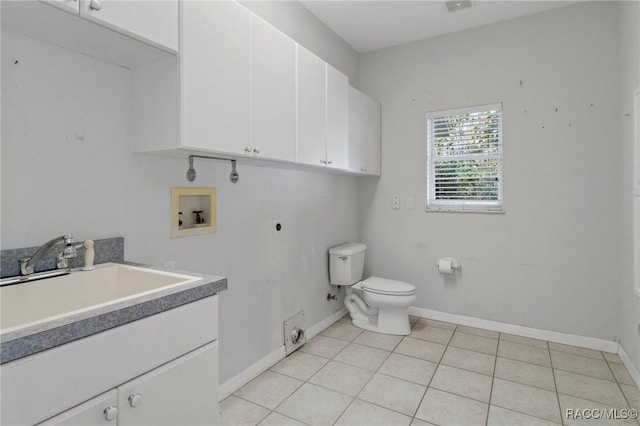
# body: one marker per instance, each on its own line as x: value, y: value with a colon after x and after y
x: 337, y: 118
x: 153, y: 21
x: 322, y: 112
x: 311, y: 136
x: 214, y: 77
x: 364, y: 133
x: 273, y: 92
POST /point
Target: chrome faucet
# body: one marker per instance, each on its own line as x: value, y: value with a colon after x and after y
x: 69, y: 252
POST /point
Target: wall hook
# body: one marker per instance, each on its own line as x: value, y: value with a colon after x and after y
x: 234, y: 177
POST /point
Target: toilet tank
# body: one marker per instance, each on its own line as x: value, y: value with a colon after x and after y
x: 346, y: 263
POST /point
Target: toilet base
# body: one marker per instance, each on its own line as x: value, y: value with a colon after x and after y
x: 388, y: 321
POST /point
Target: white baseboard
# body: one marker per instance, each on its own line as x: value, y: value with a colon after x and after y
x: 519, y: 330
x: 631, y: 368
x: 264, y: 363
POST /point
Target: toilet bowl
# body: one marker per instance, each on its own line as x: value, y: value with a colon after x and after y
x: 375, y: 304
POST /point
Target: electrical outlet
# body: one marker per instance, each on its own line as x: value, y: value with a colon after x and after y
x: 396, y: 203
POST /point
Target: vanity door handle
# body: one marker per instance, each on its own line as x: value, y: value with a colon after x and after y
x: 95, y: 5
x: 135, y: 399
x: 110, y: 413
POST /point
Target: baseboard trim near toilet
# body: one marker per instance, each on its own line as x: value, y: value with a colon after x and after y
x: 631, y: 368
x: 519, y: 330
x: 263, y: 364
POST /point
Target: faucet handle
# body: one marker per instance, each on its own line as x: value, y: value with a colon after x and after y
x: 23, y: 266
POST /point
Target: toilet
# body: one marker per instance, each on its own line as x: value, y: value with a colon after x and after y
x: 375, y: 304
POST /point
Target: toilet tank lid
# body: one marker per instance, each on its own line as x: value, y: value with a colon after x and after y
x: 347, y: 249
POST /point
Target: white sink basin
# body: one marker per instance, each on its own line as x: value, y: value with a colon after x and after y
x: 31, y: 303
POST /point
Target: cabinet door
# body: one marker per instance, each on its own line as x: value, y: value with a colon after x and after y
x: 273, y: 95
x: 72, y: 6
x: 90, y: 413
x: 311, y: 136
x: 214, y: 77
x: 356, y: 153
x: 151, y: 20
x: 337, y: 119
x: 181, y: 392
x: 371, y: 134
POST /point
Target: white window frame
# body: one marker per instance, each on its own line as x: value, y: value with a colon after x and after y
x: 480, y: 206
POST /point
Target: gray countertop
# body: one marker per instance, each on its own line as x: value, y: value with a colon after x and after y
x: 26, y: 341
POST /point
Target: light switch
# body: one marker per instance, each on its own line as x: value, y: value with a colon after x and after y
x: 409, y: 203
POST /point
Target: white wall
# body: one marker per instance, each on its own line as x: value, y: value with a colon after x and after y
x: 295, y: 20
x: 630, y: 81
x: 53, y: 183
x: 551, y: 261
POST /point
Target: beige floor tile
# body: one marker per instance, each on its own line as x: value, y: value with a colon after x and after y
x: 342, y: 330
x: 269, y: 389
x: 632, y: 394
x: 300, y: 365
x: 408, y: 368
x: 469, y: 360
x: 462, y: 382
x: 342, y: 377
x: 439, y: 324
x: 395, y: 394
x: 446, y: 409
x: 432, y: 334
x: 524, y: 340
x: 570, y: 405
x: 323, y: 346
x: 315, y: 405
x: 581, y: 365
x: 524, y: 353
x: 590, y: 388
x: 422, y: 349
x: 275, y: 419
x: 575, y: 350
x: 526, y: 399
x: 525, y: 373
x: 621, y: 374
x: 418, y: 422
x: 238, y: 412
x: 362, y: 356
x: 502, y: 417
x: 478, y: 331
x: 361, y: 413
x: 474, y: 343
x: 377, y: 340
x: 612, y: 357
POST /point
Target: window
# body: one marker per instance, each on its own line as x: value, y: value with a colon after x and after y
x: 464, y: 149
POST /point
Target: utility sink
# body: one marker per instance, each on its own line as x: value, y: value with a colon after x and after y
x: 36, y: 302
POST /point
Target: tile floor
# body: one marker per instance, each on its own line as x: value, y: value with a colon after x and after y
x: 441, y: 374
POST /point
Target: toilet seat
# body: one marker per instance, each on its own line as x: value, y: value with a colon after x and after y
x: 389, y: 287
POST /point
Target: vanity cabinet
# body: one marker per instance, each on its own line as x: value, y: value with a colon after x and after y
x: 185, y: 385
x: 364, y: 134
x: 322, y: 108
x: 152, y: 21
x: 159, y: 374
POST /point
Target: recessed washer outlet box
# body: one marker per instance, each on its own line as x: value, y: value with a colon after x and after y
x: 294, y: 334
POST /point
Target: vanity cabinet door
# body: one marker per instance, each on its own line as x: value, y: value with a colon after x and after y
x: 155, y: 21
x: 98, y: 411
x: 181, y: 392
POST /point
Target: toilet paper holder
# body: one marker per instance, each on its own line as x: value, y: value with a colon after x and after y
x: 448, y: 265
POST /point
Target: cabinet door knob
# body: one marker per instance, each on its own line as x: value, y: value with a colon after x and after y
x: 95, y: 5
x: 247, y: 149
x: 135, y: 399
x: 329, y: 162
x: 110, y: 413
x: 256, y: 150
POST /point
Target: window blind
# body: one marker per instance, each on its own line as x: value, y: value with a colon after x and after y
x: 465, y: 159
